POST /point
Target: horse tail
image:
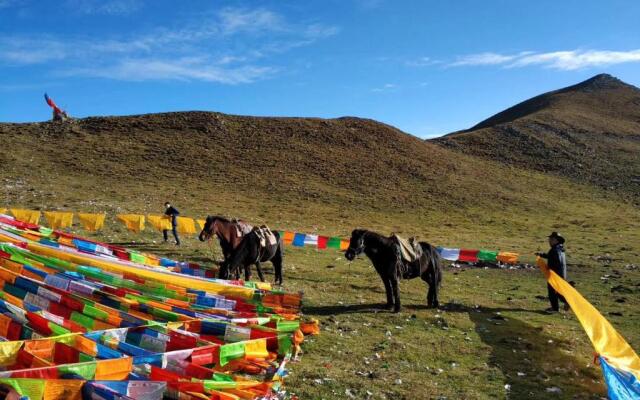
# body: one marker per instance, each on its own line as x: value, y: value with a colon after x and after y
x: 434, y: 262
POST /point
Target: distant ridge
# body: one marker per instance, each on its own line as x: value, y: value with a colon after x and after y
x: 589, y: 132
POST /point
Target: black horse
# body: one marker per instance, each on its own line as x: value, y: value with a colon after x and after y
x: 250, y: 251
x: 384, y: 254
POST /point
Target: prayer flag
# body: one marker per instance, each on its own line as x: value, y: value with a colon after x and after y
x: 159, y: 222
x: 334, y: 243
x: 30, y: 216
x: 508, y: 258
x: 311, y: 240
x: 288, y: 237
x: 322, y: 242
x: 186, y: 225
x: 468, y: 255
x: 298, y: 239
x: 449, y: 254
x: 91, y: 222
x: 133, y: 222
x: 487, y: 255
x: 59, y: 220
x: 620, y: 363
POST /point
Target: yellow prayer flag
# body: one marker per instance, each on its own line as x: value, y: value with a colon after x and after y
x: 344, y: 244
x: 30, y: 216
x: 508, y: 258
x: 3, y: 210
x: 9, y: 351
x: 186, y: 225
x: 159, y: 222
x: 133, y: 222
x: 201, y: 223
x: 288, y: 237
x: 607, y: 342
x: 116, y: 369
x: 59, y: 220
x: 256, y: 348
x: 91, y: 222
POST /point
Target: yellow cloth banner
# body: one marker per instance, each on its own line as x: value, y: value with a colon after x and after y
x: 133, y: 222
x: 59, y: 220
x: 3, y: 210
x: 30, y: 216
x: 201, y: 223
x: 9, y: 351
x: 605, y: 339
x: 91, y: 222
x: 159, y: 222
x: 186, y: 225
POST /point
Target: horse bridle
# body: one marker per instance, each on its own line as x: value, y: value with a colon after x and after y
x: 360, y: 248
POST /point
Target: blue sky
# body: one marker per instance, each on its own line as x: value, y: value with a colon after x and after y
x: 427, y: 67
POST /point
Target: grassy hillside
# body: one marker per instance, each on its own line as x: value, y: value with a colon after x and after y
x: 589, y: 132
x: 329, y: 176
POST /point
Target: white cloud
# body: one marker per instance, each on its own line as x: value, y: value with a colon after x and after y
x: 422, y: 62
x: 568, y: 60
x: 185, y: 69
x: 224, y: 47
x: 387, y: 87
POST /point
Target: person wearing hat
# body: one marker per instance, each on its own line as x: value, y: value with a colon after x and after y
x: 557, y: 262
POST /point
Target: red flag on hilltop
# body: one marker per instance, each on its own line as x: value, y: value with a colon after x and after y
x: 57, y: 112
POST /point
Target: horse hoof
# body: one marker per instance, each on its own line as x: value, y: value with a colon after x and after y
x: 388, y: 306
x: 396, y: 310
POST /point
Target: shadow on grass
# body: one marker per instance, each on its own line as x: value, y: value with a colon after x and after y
x: 344, y: 309
x: 530, y: 359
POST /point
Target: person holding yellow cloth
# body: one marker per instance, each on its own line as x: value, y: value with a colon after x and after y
x: 557, y: 262
x: 172, y: 213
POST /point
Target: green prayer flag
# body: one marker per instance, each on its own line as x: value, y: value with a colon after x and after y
x: 487, y: 255
x: 86, y: 370
x: 333, y: 243
x: 137, y: 258
x: 284, y: 344
x: 95, y: 312
x: 230, y: 352
x: 287, y: 326
x: 57, y: 329
x: 83, y: 320
x: 30, y: 388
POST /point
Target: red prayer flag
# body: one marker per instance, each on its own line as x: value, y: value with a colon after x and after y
x: 468, y: 255
x: 322, y: 242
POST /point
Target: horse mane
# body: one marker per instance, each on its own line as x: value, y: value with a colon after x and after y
x: 219, y: 217
x: 375, y: 235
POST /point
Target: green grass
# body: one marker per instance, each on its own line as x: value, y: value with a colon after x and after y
x: 489, y: 332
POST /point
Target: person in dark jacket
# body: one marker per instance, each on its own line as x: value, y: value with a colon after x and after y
x: 557, y: 262
x: 172, y: 213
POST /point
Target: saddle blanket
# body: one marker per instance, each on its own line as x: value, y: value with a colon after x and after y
x: 266, y: 236
x: 242, y: 228
x: 410, y: 249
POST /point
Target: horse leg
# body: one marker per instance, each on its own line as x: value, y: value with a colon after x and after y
x: 396, y: 294
x: 259, y: 269
x: 389, y: 291
x: 247, y: 272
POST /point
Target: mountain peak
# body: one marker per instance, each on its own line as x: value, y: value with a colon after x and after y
x: 599, y: 82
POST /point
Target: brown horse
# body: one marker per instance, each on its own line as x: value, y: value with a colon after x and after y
x: 229, y: 233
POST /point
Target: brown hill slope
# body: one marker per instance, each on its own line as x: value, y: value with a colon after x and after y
x: 589, y: 132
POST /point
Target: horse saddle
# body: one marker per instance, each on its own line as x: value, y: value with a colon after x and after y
x: 410, y: 249
x: 267, y: 238
x: 242, y: 228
